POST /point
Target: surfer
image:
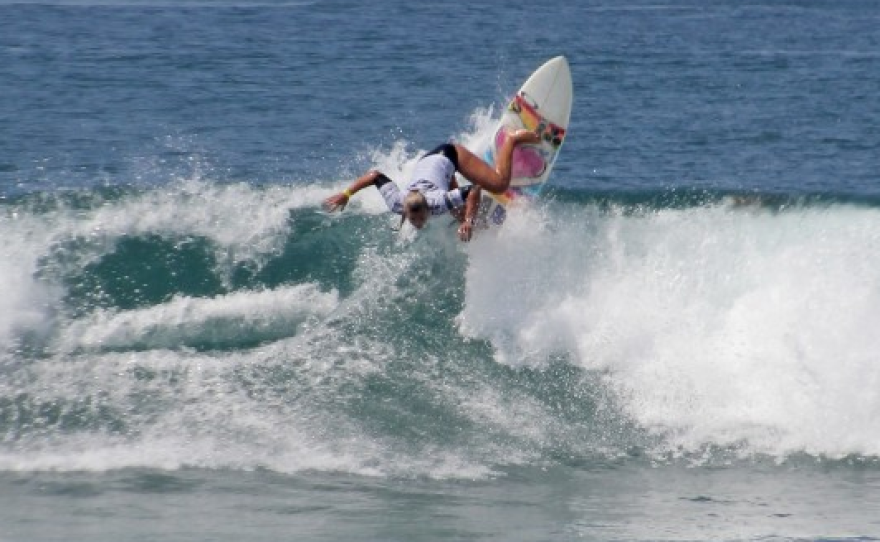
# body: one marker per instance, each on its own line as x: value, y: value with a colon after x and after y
x: 433, y: 189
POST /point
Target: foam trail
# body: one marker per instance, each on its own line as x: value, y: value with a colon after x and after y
x: 234, y: 319
x: 718, y: 326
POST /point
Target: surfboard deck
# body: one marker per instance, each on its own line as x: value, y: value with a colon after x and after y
x: 542, y: 105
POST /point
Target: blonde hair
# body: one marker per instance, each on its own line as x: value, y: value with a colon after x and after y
x: 413, y: 202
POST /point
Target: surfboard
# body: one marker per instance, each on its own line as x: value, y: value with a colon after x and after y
x: 543, y: 105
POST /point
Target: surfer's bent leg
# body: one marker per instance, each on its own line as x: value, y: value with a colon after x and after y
x: 480, y: 173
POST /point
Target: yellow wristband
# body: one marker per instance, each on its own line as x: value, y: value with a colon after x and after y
x: 347, y: 193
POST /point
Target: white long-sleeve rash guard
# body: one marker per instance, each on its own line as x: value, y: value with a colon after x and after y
x: 431, y: 177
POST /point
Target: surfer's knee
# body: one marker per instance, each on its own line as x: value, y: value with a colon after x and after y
x: 479, y: 172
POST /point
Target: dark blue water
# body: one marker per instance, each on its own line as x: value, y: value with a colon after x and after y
x: 677, y: 342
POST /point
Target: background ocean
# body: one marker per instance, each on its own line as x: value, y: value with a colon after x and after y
x: 678, y: 342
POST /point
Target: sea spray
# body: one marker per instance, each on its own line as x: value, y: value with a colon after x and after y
x: 717, y: 325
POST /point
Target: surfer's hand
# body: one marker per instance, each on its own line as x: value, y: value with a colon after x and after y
x: 466, y: 230
x: 336, y: 202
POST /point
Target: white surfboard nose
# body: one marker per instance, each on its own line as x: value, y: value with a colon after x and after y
x: 551, y: 89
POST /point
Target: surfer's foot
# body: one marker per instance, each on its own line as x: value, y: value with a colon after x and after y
x: 525, y: 136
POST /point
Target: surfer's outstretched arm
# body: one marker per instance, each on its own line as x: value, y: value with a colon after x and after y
x: 469, y: 217
x: 340, y: 200
x: 480, y: 173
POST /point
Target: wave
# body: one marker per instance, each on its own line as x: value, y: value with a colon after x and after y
x: 239, y: 326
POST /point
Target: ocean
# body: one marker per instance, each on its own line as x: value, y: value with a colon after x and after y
x: 678, y: 341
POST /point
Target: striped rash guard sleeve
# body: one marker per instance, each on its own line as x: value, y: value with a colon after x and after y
x: 444, y: 202
x: 390, y: 193
x: 458, y: 197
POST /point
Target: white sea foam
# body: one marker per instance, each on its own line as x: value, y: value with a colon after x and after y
x: 25, y: 303
x: 244, y: 224
x: 717, y: 325
x: 272, y: 407
x: 120, y: 388
x: 237, y: 318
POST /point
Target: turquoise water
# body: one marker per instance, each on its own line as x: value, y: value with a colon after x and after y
x: 676, y: 343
